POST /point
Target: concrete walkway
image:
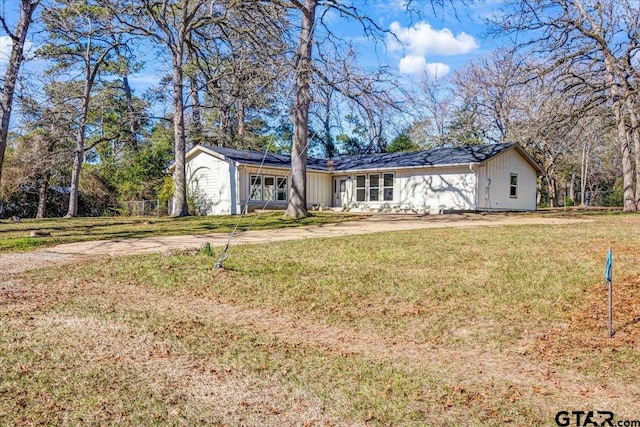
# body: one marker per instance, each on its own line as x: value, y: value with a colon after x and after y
x: 374, y: 224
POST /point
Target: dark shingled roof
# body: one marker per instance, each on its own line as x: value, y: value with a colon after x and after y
x: 436, y: 157
x: 248, y: 157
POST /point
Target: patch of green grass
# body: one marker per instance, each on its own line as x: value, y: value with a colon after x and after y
x: 206, y: 249
x: 15, y: 236
x: 23, y: 243
x: 363, y: 280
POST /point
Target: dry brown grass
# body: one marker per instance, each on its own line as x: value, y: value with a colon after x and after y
x: 584, y: 336
x: 68, y: 364
x: 436, y: 327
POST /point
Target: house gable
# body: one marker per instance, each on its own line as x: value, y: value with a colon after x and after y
x: 212, y: 183
x: 508, y: 182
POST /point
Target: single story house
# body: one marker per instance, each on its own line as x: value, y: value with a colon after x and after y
x: 500, y: 177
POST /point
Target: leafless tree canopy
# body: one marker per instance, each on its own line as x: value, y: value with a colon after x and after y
x: 276, y: 76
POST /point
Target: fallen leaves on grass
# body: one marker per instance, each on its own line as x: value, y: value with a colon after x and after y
x: 587, y: 324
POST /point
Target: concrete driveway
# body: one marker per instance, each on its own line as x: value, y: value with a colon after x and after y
x: 15, y: 263
x: 374, y: 224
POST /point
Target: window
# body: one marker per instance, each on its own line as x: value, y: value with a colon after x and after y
x: 387, y: 181
x: 268, y: 187
x: 361, y: 192
x: 281, y: 191
x: 256, y: 187
x: 374, y: 188
x: 513, y: 186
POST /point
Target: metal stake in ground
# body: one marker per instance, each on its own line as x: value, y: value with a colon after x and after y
x: 608, y: 277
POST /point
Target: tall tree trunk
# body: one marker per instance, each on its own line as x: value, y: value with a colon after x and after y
x: 329, y: 147
x: 196, y: 115
x: 179, y: 173
x: 617, y: 98
x: 625, y: 152
x: 297, y: 207
x: 584, y: 170
x: 78, y: 152
x: 27, y: 9
x: 225, y: 132
x: 635, y: 136
x: 78, y: 159
x: 553, y: 191
x: 572, y: 187
x: 133, y: 125
x: 240, y: 106
x: 42, y: 195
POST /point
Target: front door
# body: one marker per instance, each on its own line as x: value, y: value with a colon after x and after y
x: 339, y: 192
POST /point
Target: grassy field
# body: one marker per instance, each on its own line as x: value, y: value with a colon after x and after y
x: 478, y: 326
x: 15, y: 236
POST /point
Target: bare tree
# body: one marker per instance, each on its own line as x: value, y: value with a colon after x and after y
x: 598, y: 35
x: 170, y: 23
x: 18, y: 39
x: 493, y: 85
x: 436, y: 109
x: 551, y: 112
x: 183, y: 27
x: 312, y: 14
x: 81, y: 39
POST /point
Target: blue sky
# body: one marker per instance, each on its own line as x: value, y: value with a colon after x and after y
x: 436, y: 43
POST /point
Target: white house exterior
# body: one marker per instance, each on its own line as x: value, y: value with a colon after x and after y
x: 498, y: 177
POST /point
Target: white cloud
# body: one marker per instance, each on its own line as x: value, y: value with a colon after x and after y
x: 437, y: 69
x: 421, y: 39
x: 5, y: 48
x: 412, y: 64
x: 6, y: 44
x: 418, y: 64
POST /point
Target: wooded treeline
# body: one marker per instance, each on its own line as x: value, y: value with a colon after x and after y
x: 275, y: 75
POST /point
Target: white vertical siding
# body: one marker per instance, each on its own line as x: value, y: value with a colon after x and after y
x: 318, y: 186
x: 439, y: 189
x: 209, y: 182
x: 423, y: 189
x: 499, y: 170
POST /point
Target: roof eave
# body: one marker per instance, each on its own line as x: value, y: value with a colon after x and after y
x: 525, y: 155
x: 240, y: 163
x: 191, y: 153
